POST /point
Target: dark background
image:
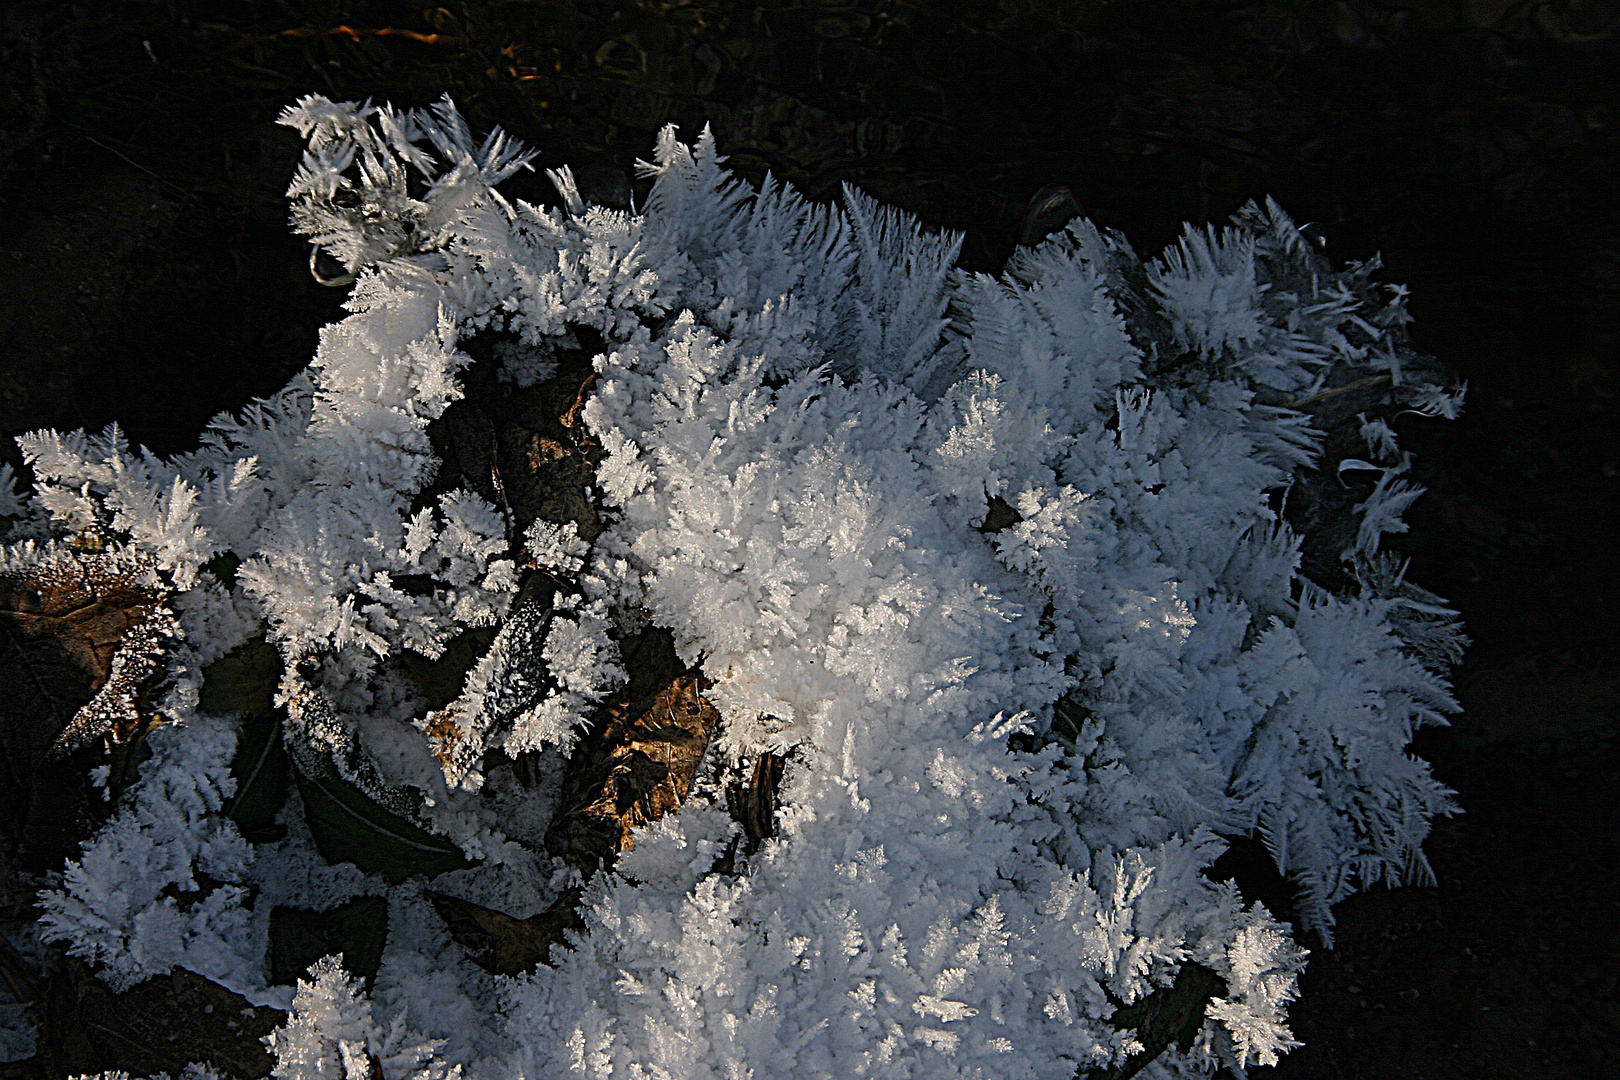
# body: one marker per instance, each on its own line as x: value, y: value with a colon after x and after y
x: 147, y: 276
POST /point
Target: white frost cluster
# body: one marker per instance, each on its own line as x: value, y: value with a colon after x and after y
x: 194, y: 1071
x: 995, y: 561
x: 332, y: 1034
x: 534, y: 688
x: 118, y: 905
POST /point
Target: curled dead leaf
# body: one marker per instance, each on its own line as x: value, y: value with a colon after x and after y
x: 752, y: 802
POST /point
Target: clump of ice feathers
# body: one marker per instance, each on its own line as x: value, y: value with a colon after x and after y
x: 800, y: 438
x: 916, y: 956
x: 113, y: 908
x: 333, y: 1034
x: 93, y: 484
x: 382, y: 219
x: 797, y: 539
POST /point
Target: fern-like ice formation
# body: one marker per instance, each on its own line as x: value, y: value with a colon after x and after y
x: 997, y: 561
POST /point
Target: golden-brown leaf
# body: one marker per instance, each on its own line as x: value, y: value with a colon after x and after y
x: 82, y: 634
x: 639, y: 761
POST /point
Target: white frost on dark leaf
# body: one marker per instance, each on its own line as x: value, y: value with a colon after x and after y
x: 547, y: 666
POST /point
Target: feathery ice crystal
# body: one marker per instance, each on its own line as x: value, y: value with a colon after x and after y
x: 997, y: 562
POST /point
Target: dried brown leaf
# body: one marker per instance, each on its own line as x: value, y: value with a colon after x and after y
x: 82, y: 634
x: 638, y: 762
x: 504, y: 945
x: 104, y: 611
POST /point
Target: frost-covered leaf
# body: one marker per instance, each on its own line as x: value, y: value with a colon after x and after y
x: 44, y: 684
x: 350, y: 826
x: 523, y: 448
x: 104, y: 610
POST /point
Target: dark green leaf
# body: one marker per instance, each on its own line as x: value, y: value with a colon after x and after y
x: 260, y: 769
x: 349, y: 826
x: 358, y: 930
x: 1171, y: 1014
x: 244, y: 682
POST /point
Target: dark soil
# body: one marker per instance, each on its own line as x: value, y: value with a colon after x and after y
x: 149, y: 278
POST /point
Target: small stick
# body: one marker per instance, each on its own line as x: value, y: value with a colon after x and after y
x: 1359, y: 384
